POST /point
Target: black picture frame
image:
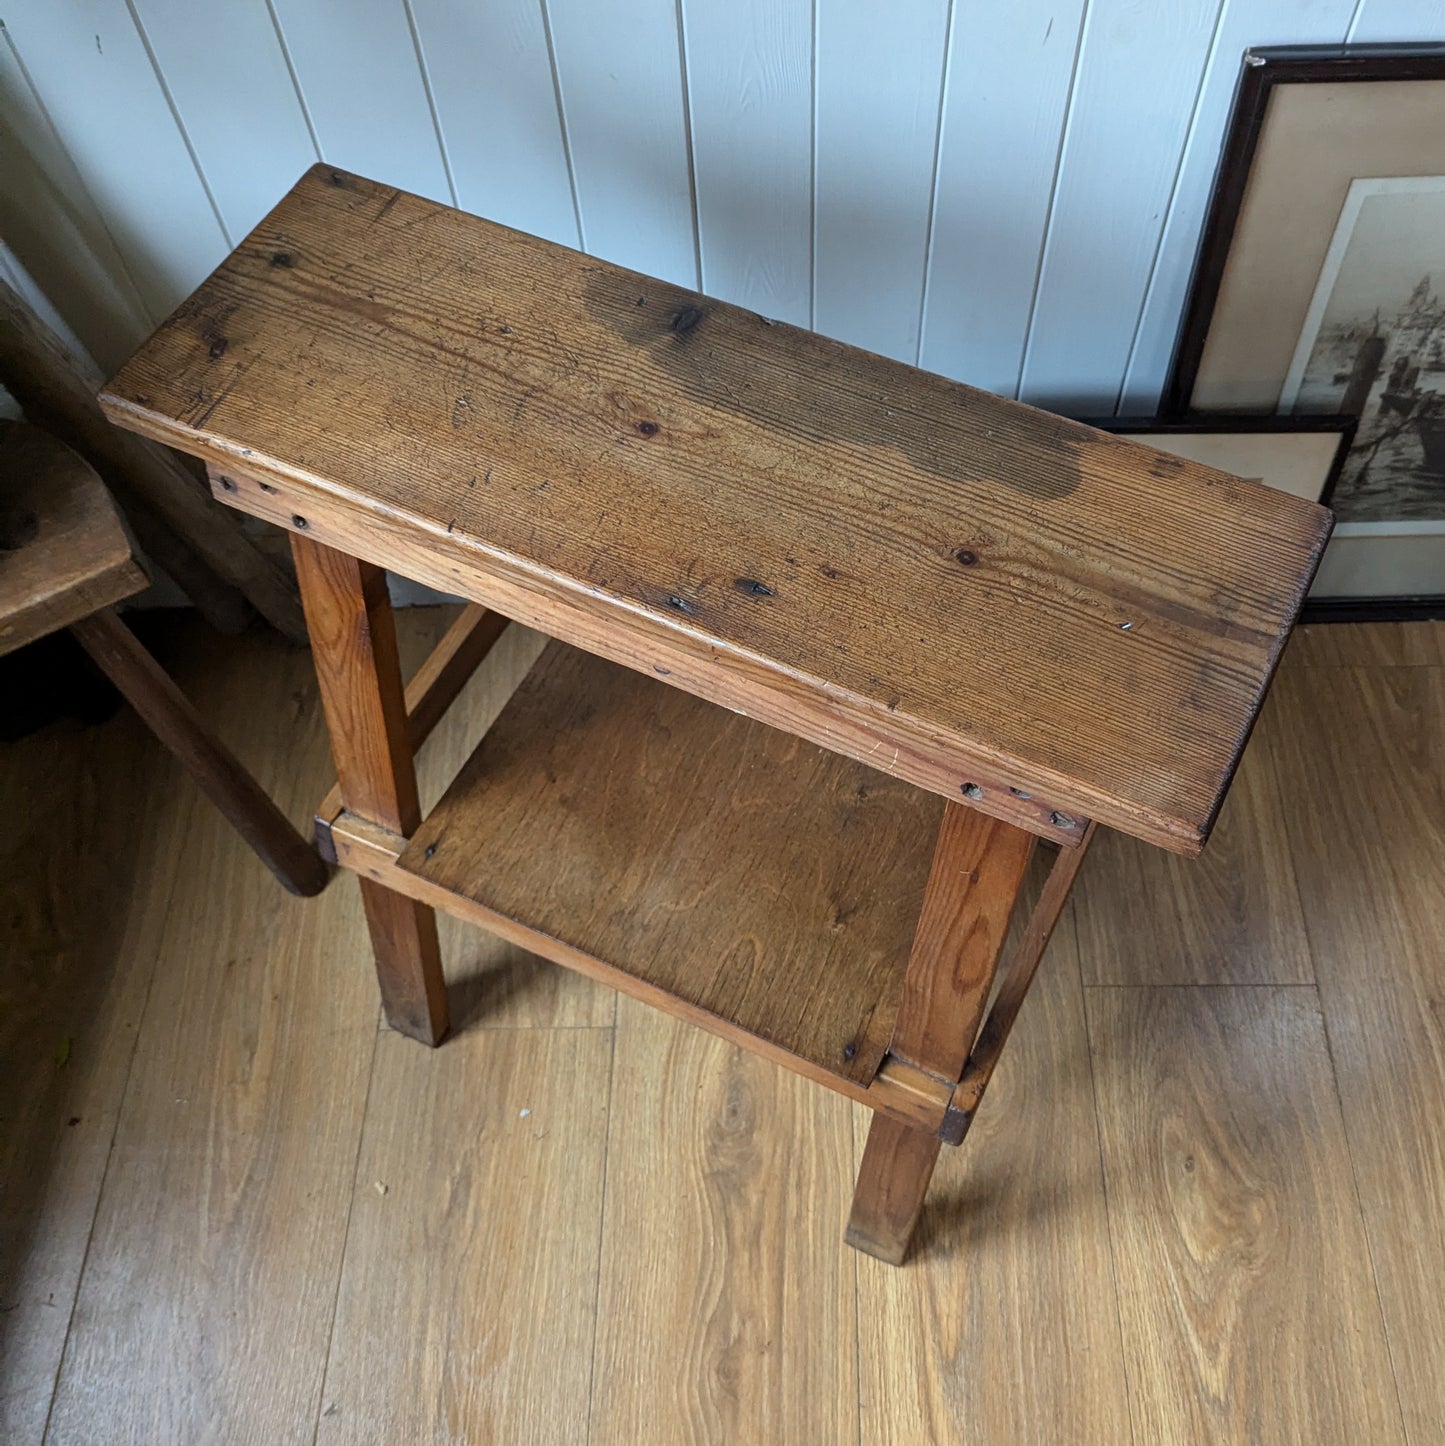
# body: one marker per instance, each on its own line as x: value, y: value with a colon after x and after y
x: 1262, y: 71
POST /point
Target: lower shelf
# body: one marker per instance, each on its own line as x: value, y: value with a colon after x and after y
x: 746, y: 873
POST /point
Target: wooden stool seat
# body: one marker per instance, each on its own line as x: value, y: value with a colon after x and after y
x: 953, y: 626
x: 64, y: 552
x: 65, y: 558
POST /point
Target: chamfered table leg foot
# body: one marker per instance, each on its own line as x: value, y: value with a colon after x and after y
x: 408, y: 962
x: 897, y: 1165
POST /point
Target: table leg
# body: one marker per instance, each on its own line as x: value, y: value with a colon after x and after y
x: 897, y: 1165
x: 353, y: 643
x: 978, y: 866
x: 153, y: 694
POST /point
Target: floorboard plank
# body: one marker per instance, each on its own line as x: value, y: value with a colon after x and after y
x: 467, y: 1299
x: 220, y: 1225
x: 726, y: 1304
x: 1231, y: 916
x: 1365, y: 790
x: 1004, y: 1323
x: 1249, y: 1307
x: 1333, y: 645
x: 92, y: 815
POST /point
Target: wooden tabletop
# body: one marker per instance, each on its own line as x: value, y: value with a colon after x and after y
x: 962, y: 591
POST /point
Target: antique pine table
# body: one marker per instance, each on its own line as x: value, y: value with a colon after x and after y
x: 837, y: 642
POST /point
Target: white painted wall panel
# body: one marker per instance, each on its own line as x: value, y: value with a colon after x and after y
x: 99, y: 89
x: 229, y: 81
x: 619, y: 67
x: 1140, y: 65
x: 879, y: 81
x: 1010, y: 70
x: 47, y: 215
x: 749, y: 75
x: 1385, y: 20
x: 357, y: 67
x: 1011, y: 192
x: 491, y: 76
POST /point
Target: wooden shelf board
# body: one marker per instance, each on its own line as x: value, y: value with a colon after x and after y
x: 743, y: 872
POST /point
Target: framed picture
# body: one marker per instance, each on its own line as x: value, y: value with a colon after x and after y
x: 1320, y: 290
x: 1301, y: 455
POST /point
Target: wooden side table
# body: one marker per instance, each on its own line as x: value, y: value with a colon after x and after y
x: 941, y: 627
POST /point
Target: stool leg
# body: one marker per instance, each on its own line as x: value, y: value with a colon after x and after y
x: 153, y: 694
x: 353, y: 643
x: 897, y: 1165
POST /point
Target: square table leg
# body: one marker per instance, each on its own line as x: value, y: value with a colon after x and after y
x: 353, y: 644
x: 978, y: 867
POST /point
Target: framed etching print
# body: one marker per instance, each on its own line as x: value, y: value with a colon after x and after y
x: 1320, y: 290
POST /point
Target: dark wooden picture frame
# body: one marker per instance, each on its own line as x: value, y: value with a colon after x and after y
x: 1262, y: 70
x: 1263, y: 73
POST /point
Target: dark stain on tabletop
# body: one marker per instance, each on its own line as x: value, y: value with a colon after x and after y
x: 730, y: 359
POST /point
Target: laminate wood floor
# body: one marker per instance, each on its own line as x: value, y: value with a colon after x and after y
x: 1204, y: 1200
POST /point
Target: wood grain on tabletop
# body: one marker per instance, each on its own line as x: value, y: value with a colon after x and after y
x: 941, y: 569
x: 741, y: 866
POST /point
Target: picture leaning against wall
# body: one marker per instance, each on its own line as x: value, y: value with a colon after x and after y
x: 1373, y: 346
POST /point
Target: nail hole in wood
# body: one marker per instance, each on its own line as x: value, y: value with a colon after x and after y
x: 1060, y: 820
x: 971, y: 790
x: 299, y: 521
x: 1019, y: 793
x: 226, y: 484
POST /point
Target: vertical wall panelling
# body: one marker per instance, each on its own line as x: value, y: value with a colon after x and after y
x: 230, y: 84
x: 1244, y: 24
x: 750, y: 87
x: 99, y: 88
x: 619, y: 67
x: 1384, y: 20
x: 361, y: 81
x: 1012, y: 193
x: 879, y: 80
x: 491, y: 77
x: 20, y: 281
x: 49, y: 220
x: 1010, y: 69
x: 1139, y: 71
